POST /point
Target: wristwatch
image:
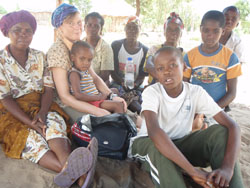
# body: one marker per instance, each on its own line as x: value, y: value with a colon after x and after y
x: 112, y: 95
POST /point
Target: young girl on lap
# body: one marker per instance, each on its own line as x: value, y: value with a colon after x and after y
x: 84, y: 86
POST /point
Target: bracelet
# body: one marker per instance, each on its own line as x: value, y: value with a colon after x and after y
x: 112, y: 95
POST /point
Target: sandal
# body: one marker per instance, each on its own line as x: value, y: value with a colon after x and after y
x: 79, y: 162
x: 93, y: 147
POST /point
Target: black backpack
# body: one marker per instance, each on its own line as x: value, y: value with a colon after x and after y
x: 113, y: 133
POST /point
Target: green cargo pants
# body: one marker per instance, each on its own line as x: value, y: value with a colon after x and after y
x: 201, y: 148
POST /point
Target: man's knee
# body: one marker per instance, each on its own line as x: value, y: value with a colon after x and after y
x: 218, y: 134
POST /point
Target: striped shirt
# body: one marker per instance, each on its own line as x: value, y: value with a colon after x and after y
x: 86, y: 83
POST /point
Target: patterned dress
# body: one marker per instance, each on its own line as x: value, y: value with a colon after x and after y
x: 25, y: 85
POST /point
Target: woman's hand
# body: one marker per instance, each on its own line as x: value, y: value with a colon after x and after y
x: 40, y: 128
x: 119, y: 99
x: 39, y: 123
x: 40, y: 117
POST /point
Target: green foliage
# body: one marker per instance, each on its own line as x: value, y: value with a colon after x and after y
x: 84, y: 6
x: 244, y: 7
x: 155, y: 12
x: 2, y: 10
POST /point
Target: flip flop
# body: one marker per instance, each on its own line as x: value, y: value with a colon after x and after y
x: 79, y: 162
x: 93, y: 147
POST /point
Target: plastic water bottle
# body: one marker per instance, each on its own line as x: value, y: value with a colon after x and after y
x: 129, y: 73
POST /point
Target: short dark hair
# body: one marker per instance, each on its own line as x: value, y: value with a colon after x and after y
x: 80, y: 44
x: 95, y: 15
x: 214, y: 15
x: 178, y: 52
x: 231, y: 8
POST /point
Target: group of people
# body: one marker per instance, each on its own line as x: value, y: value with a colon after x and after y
x: 42, y: 96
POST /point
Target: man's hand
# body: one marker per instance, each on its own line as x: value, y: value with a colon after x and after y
x: 220, y: 177
x: 200, y: 177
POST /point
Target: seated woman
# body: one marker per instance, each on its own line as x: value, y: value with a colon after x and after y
x: 67, y: 21
x: 129, y: 47
x: 32, y: 127
x: 103, y: 62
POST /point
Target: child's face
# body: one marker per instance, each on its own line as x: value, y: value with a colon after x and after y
x: 82, y: 58
x: 211, y: 33
x: 232, y: 20
x: 172, y: 34
x: 169, y: 70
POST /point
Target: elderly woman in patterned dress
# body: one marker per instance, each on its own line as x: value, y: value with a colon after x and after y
x: 32, y: 127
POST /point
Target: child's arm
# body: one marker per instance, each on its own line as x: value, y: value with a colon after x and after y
x: 74, y: 78
x: 103, y: 88
x: 99, y: 83
x: 225, y: 172
x: 167, y: 148
x: 230, y: 94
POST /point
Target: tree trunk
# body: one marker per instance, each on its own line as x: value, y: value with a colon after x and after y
x: 138, y: 8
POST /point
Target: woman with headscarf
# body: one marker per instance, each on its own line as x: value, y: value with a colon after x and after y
x: 67, y: 21
x: 122, y: 49
x: 103, y: 62
x: 172, y: 31
x: 32, y: 127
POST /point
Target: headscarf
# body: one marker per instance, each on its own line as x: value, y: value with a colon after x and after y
x: 61, y: 13
x: 13, y: 18
x: 174, y: 18
x: 134, y: 19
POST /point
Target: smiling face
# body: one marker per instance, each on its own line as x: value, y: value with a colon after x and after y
x: 232, y: 20
x: 210, y: 33
x: 20, y: 35
x: 132, y: 31
x: 169, y: 69
x: 172, y: 34
x: 82, y: 58
x: 71, y: 29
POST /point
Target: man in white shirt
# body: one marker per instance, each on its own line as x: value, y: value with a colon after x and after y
x: 165, y: 142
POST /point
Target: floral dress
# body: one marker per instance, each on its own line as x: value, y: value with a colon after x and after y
x: 25, y: 85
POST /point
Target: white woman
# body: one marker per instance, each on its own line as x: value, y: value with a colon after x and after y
x: 67, y: 21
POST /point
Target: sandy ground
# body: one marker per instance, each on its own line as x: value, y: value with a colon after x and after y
x: 241, y: 113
